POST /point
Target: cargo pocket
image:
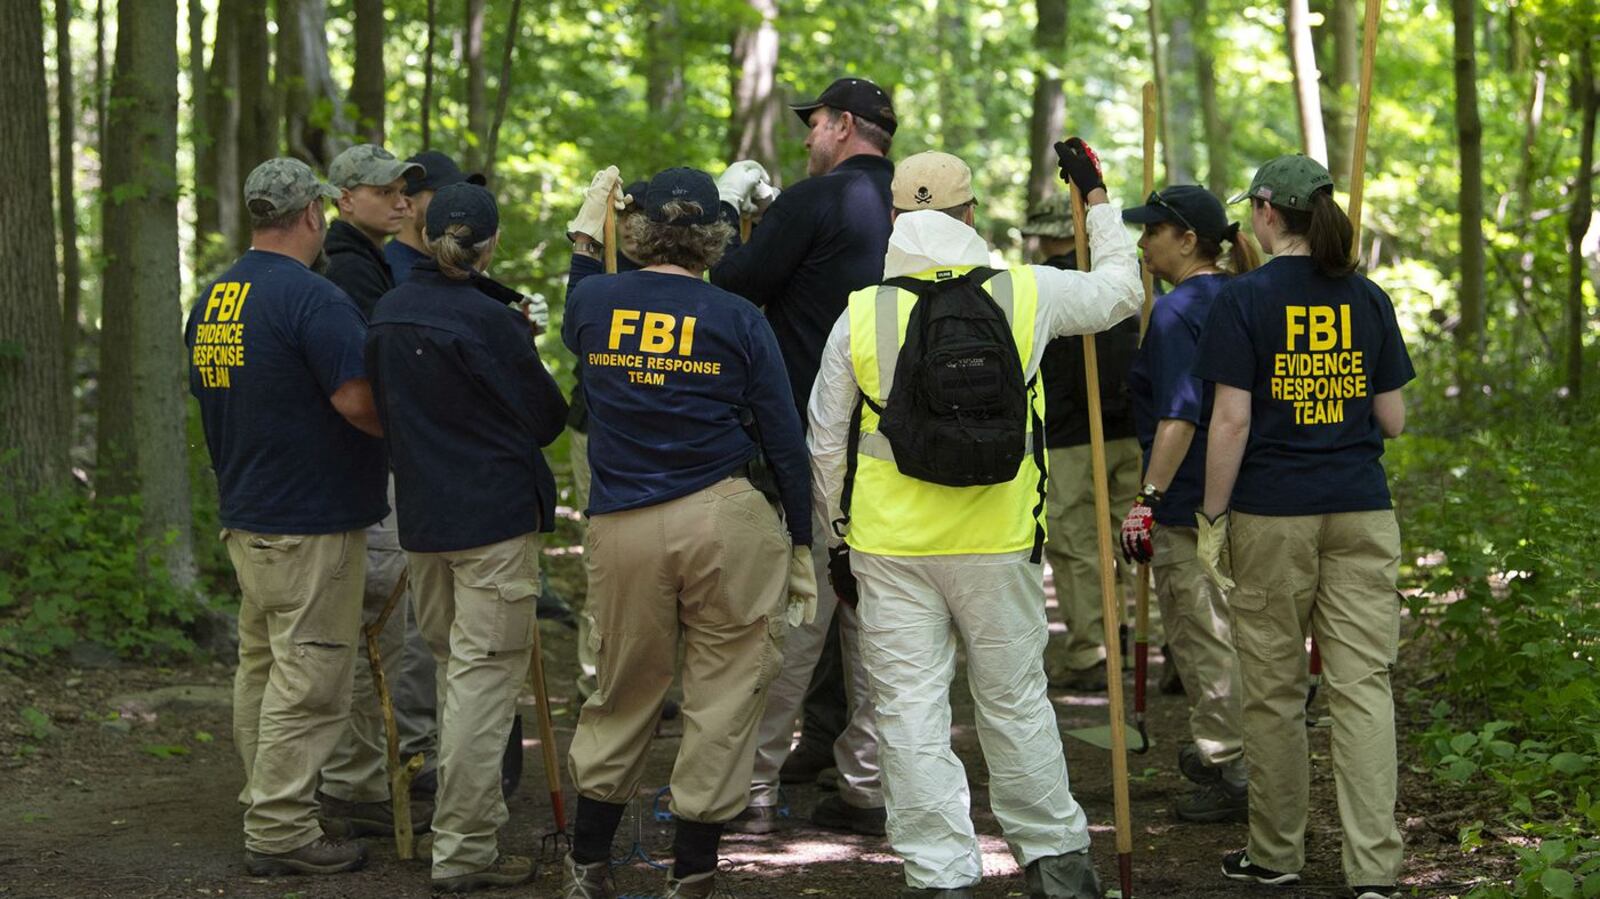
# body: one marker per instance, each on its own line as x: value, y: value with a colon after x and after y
x: 274, y: 574
x: 771, y: 652
x: 515, y: 617
x: 1260, y: 627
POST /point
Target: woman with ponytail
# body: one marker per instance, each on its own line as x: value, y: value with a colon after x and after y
x: 1307, y: 362
x: 1184, y: 230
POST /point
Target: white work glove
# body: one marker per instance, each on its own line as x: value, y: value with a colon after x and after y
x: 802, y: 608
x: 537, y: 310
x: 744, y: 184
x: 591, y: 220
x: 1213, y: 535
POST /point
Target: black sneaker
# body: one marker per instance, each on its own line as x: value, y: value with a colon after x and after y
x: 1195, y: 768
x: 320, y: 856
x: 1080, y: 680
x: 757, y: 819
x: 836, y: 814
x: 506, y: 871
x: 1375, y: 892
x: 1237, y: 866
x: 1215, y: 804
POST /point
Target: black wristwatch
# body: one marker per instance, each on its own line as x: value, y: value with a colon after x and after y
x: 1149, y: 496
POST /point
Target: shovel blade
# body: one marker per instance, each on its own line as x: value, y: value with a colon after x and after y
x: 1100, y: 735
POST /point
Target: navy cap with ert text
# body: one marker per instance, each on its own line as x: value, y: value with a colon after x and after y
x: 464, y: 204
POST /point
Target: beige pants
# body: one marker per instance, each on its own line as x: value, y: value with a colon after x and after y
x: 1073, y: 549
x: 299, y: 621
x: 579, y: 446
x: 712, y: 568
x: 1332, y: 576
x: 476, y: 609
x: 1196, y: 618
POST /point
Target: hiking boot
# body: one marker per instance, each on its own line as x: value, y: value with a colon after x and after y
x: 1197, y: 769
x: 834, y: 813
x: 804, y: 764
x: 1067, y: 876
x: 755, y: 819
x: 1374, y: 892
x: 323, y: 855
x: 506, y: 871
x: 591, y: 881
x: 695, y: 886
x: 1081, y: 680
x: 936, y: 893
x: 1237, y: 865
x: 828, y: 780
x: 344, y: 819
x: 1214, y: 804
x: 1170, y: 683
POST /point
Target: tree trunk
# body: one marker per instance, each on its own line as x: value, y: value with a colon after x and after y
x: 664, y: 60
x: 503, y: 87
x: 1218, y: 151
x: 203, y: 139
x: 33, y: 385
x: 1049, y: 120
x: 102, y: 85
x: 66, y: 193
x: 217, y: 157
x: 1586, y: 99
x: 142, y: 440
x: 305, y: 80
x: 1158, y: 65
x: 367, y: 82
x: 1308, y: 100
x: 427, y: 77
x: 1469, y: 136
x: 1339, y: 94
x: 753, y: 128
x: 477, y: 116
x: 1179, y: 111
x: 257, y: 138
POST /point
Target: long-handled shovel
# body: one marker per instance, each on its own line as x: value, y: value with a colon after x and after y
x: 400, y: 776
x: 1110, y: 604
x: 556, y: 843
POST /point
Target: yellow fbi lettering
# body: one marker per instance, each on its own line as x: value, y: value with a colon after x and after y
x: 219, y: 338
x: 664, y: 345
x: 658, y: 332
x: 1318, y: 369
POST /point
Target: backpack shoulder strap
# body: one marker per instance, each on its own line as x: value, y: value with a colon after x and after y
x: 852, y: 447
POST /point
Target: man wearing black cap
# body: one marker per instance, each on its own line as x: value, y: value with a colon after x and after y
x: 436, y: 171
x: 817, y: 242
x: 469, y: 405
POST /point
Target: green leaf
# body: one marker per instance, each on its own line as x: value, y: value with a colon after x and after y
x: 1463, y: 742
x: 164, y: 751
x: 1558, y: 883
x: 1569, y: 763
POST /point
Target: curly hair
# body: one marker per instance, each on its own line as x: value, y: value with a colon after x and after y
x: 694, y: 247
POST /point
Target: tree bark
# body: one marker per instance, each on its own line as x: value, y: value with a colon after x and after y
x: 1179, y: 111
x: 202, y: 138
x: 477, y: 116
x: 1048, y: 122
x: 312, y: 112
x: 1469, y: 137
x: 664, y: 60
x: 1158, y: 65
x: 142, y: 440
x: 66, y: 193
x: 217, y: 158
x: 753, y: 128
x: 1303, y: 61
x: 427, y: 76
x: 102, y: 85
x: 503, y: 87
x: 33, y: 384
x: 1586, y: 99
x: 1339, y: 95
x: 1218, y: 150
x: 257, y: 138
x: 367, y: 82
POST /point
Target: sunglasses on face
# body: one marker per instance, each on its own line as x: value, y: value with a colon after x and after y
x: 1155, y: 200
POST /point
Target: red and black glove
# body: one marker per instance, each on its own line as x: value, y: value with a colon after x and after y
x: 1079, y: 165
x: 1136, y: 545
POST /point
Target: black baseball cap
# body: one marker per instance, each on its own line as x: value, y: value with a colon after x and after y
x: 464, y: 204
x: 438, y: 171
x: 681, y: 183
x: 857, y: 96
x: 1188, y: 205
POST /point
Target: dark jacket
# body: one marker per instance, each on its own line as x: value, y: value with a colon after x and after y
x: 1066, y: 390
x: 466, y: 404
x: 820, y: 240
x: 357, y: 265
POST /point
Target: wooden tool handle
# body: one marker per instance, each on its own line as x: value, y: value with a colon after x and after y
x: 1358, y: 154
x: 1149, y: 186
x: 610, y: 235
x: 547, y: 732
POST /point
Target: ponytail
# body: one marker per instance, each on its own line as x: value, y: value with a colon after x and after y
x: 457, y: 259
x: 1242, y: 254
x: 1327, y: 231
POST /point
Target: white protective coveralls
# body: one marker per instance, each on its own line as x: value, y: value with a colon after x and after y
x: 912, y: 607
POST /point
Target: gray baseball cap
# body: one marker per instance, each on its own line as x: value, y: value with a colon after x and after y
x: 283, y: 185
x: 368, y: 164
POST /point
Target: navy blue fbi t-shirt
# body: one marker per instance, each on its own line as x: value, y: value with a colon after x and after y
x: 1312, y: 351
x: 1163, y: 385
x: 270, y: 341
x: 668, y: 364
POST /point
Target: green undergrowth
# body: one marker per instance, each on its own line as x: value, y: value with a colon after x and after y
x: 1500, y: 507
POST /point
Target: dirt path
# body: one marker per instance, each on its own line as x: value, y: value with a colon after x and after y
x: 143, y: 805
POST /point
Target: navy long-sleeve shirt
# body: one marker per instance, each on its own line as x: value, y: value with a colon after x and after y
x: 465, y: 404
x: 821, y: 239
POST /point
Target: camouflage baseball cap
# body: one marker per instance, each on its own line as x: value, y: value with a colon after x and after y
x: 283, y: 185
x: 1051, y: 218
x: 368, y: 164
x: 1288, y: 181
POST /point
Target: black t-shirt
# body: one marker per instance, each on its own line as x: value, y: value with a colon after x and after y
x: 1066, y: 390
x: 270, y: 341
x: 1312, y: 351
x: 466, y: 404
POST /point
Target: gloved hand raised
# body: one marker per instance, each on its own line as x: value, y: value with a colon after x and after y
x: 1079, y: 165
x: 1213, y: 534
x: 1136, y: 545
x: 802, y: 607
x: 591, y: 220
x: 746, y: 186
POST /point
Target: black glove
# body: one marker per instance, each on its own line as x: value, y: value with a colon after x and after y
x: 1079, y: 165
x: 840, y: 575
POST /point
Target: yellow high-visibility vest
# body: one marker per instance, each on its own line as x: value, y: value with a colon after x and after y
x: 896, y: 515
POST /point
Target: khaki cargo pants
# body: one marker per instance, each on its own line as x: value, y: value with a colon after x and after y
x: 299, y: 621
x: 1073, y: 550
x: 475, y: 607
x: 578, y: 443
x: 711, y: 568
x: 1332, y: 576
x: 1195, y: 615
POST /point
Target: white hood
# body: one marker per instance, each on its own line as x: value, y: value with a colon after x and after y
x: 929, y: 239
